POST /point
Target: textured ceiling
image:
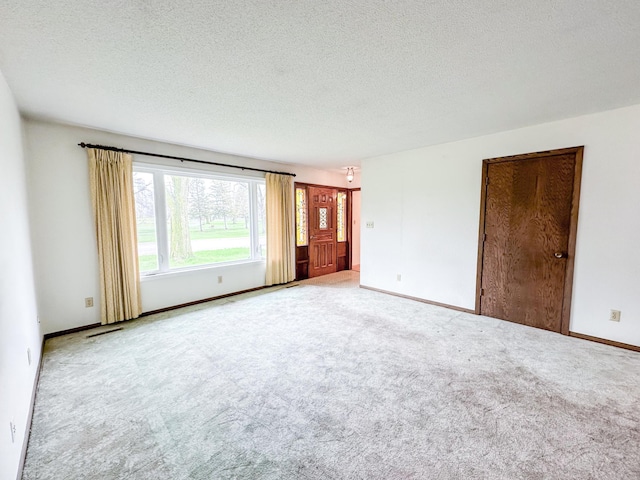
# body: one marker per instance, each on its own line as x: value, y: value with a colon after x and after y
x: 319, y: 83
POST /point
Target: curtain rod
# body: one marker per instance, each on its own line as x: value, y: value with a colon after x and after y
x: 182, y: 159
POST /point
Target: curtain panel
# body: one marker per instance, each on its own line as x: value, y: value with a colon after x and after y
x: 280, y: 228
x: 112, y: 198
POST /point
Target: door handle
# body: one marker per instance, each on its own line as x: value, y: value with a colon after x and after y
x: 558, y: 254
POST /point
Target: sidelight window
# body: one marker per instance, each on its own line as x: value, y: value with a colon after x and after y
x: 301, y: 218
x: 342, y: 216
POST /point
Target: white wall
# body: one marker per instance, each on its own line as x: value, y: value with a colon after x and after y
x: 355, y: 227
x: 19, y: 329
x: 64, y: 241
x: 425, y: 206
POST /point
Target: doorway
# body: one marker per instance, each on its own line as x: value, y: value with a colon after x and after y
x: 322, y: 230
x: 355, y: 229
x: 528, y: 225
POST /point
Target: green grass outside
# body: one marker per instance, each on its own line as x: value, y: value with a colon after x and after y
x: 150, y: 262
x: 234, y: 231
x: 147, y: 231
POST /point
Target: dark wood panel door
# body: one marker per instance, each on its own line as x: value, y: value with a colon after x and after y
x: 322, y: 231
x: 530, y: 215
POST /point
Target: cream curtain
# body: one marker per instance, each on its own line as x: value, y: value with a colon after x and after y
x: 280, y: 228
x: 111, y: 180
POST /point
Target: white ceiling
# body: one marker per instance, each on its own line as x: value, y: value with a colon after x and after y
x: 322, y: 83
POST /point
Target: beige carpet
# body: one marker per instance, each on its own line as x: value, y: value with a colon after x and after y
x: 324, y: 380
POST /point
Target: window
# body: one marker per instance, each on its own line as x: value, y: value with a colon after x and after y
x: 190, y: 219
x: 301, y: 217
x: 143, y: 189
x: 342, y: 216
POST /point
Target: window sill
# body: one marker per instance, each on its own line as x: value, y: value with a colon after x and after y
x: 199, y: 269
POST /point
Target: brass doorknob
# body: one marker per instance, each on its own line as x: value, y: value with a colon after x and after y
x: 558, y: 254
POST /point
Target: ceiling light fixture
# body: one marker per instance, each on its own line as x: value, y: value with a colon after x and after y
x: 349, y: 174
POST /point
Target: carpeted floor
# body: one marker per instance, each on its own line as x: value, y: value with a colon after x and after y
x: 327, y: 381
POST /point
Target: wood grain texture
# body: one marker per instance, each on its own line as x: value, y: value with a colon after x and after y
x: 345, y: 263
x: 527, y: 219
x: 342, y: 254
x: 302, y: 262
x: 483, y: 201
x: 322, y: 238
x: 573, y: 232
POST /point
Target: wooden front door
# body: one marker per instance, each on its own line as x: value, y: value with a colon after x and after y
x: 527, y: 237
x: 322, y: 231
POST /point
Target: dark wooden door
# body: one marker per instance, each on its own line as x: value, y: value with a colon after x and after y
x: 528, y: 242
x: 322, y: 231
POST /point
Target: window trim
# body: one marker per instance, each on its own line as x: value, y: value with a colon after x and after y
x: 159, y: 171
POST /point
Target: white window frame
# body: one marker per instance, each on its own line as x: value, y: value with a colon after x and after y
x: 160, y: 211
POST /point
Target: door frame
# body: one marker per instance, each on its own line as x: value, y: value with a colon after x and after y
x: 350, y: 228
x: 302, y: 253
x: 573, y: 227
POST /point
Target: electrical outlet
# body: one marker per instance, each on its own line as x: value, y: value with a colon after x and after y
x: 219, y: 278
x: 399, y: 277
x: 12, y: 426
x: 369, y: 224
x: 29, y: 355
x: 88, y: 302
x: 614, y: 316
